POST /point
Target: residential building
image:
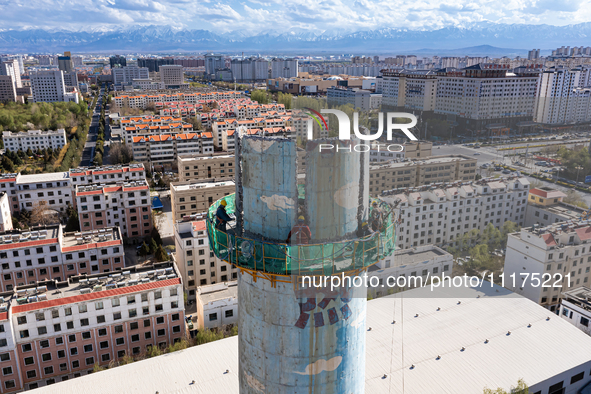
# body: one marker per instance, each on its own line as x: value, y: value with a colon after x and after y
x: 153, y: 64
x: 55, y: 188
x: 545, y: 207
x: 284, y: 68
x: 148, y: 125
x: 65, y: 62
x: 482, y: 326
x: 71, y: 80
x: 107, y: 174
x: 125, y: 75
x: 7, y: 89
x: 576, y: 308
x: 213, y: 63
x: 172, y: 76
x: 163, y: 149
x: 487, y: 98
x: 8, y: 186
x: 409, y: 173
x: 49, y: 86
x: 34, y: 139
x: 198, y: 266
x: 249, y: 70
x: 117, y: 61
x: 122, y: 204
x: 13, y: 69
x: 421, y: 261
x: 5, y: 216
x: 205, y: 167
x: 217, y: 305
x: 443, y: 213
x: 409, y: 90
x: 63, y: 330
x: 190, y: 198
x: 533, y: 54
x: 360, y: 99
x: 46, y: 253
x: 558, y: 252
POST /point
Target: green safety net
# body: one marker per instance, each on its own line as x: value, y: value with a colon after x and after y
x: 311, y: 259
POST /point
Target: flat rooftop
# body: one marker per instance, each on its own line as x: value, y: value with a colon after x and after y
x: 88, y: 287
x: 230, y: 291
x: 570, y: 211
x: 487, y: 312
x: 415, y: 162
x: 410, y: 256
x: 42, y: 178
x: 206, y: 157
x: 91, y: 239
x: 202, y: 185
x: 35, y: 236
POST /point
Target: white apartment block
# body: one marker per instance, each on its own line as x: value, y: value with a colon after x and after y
x: 576, y: 308
x: 205, y: 167
x: 421, y: 261
x: 125, y: 75
x: 46, y: 253
x: 562, y: 99
x: 559, y: 252
x: 415, y: 91
x: 195, y: 198
x: 358, y: 98
x: 122, y: 204
x: 12, y: 69
x: 49, y: 86
x: 5, y: 216
x: 172, y: 75
x: 107, y: 174
x: 485, y: 94
x: 197, y: 264
x: 55, y: 188
x: 34, y: 139
x: 284, y: 68
x: 63, y: 330
x: 217, y: 305
x: 164, y: 149
x: 143, y: 100
x: 440, y: 214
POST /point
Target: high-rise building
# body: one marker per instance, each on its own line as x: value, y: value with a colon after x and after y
x: 125, y: 75
x: 65, y: 62
x: 213, y: 63
x: 49, y: 86
x: 172, y: 76
x: 284, y: 68
x: 153, y: 64
x: 533, y: 54
x: 117, y: 61
x: 12, y: 68
x: 7, y: 89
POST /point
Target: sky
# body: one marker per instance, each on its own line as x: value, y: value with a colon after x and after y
x: 250, y: 17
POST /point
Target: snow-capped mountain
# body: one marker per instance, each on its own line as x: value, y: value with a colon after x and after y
x: 485, y: 36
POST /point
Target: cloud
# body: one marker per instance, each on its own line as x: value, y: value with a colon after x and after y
x: 136, y: 5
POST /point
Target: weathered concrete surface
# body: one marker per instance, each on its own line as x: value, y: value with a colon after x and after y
x: 297, y: 346
x: 333, y: 189
x: 269, y: 186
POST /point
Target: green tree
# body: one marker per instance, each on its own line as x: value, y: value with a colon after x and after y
x: 260, y: 96
x: 29, y: 152
x: 153, y: 246
x: 97, y: 368
x: 285, y: 99
x: 521, y: 388
x: 573, y: 197
x: 144, y: 250
x: 160, y: 254
x: 156, y: 235
x: 73, y: 223
x: 7, y: 164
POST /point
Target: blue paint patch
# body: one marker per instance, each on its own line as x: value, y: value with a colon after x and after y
x: 346, y: 311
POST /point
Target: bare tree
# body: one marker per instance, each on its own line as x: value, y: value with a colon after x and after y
x: 41, y: 215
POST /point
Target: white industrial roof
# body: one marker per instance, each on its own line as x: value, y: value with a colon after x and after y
x: 48, y: 177
x: 536, y: 353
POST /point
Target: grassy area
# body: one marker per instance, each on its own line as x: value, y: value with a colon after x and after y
x: 42, y: 116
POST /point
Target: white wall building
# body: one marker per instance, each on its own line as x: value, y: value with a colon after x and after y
x: 49, y: 86
x: 284, y: 68
x: 125, y: 75
x: 217, y: 305
x: 55, y: 188
x: 5, y: 216
x: 34, y: 139
x: 576, y: 308
x: 358, y: 98
x: 172, y: 75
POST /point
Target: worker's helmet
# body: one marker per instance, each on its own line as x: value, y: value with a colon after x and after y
x: 301, y: 218
x: 223, y: 203
x: 375, y: 204
x: 364, y: 224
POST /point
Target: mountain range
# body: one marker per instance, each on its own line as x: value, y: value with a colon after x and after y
x: 475, y: 39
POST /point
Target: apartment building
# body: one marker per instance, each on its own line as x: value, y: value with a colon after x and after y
x: 164, y: 149
x: 5, y: 216
x: 147, y: 126
x: 559, y: 252
x: 198, y: 265
x: 205, y: 167
x: 417, y: 149
x: 7, y: 89
x: 576, y: 309
x: 407, y: 173
x: 8, y: 186
x: 487, y: 95
x: 125, y: 75
x: 409, y: 90
x: 122, y: 204
x: 9, y: 359
x: 562, y: 99
x: 190, y: 198
x: 143, y: 100
x: 55, y: 188
x: 545, y: 207
x: 217, y: 305
x: 49, y: 86
x: 300, y: 123
x: 441, y: 213
x: 34, y: 139
x: 63, y: 329
x: 421, y: 261
x: 250, y: 70
x: 46, y: 253
x: 172, y: 76
x: 107, y: 174
x: 360, y: 99
x: 284, y: 68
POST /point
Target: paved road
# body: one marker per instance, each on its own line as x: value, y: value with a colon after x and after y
x: 88, y: 152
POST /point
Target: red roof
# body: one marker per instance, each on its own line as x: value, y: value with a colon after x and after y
x: 28, y: 244
x: 94, y: 295
x: 547, y: 193
x: 549, y: 239
x: 3, y: 316
x: 199, y: 226
x: 89, y: 193
x: 584, y: 233
x: 91, y: 246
